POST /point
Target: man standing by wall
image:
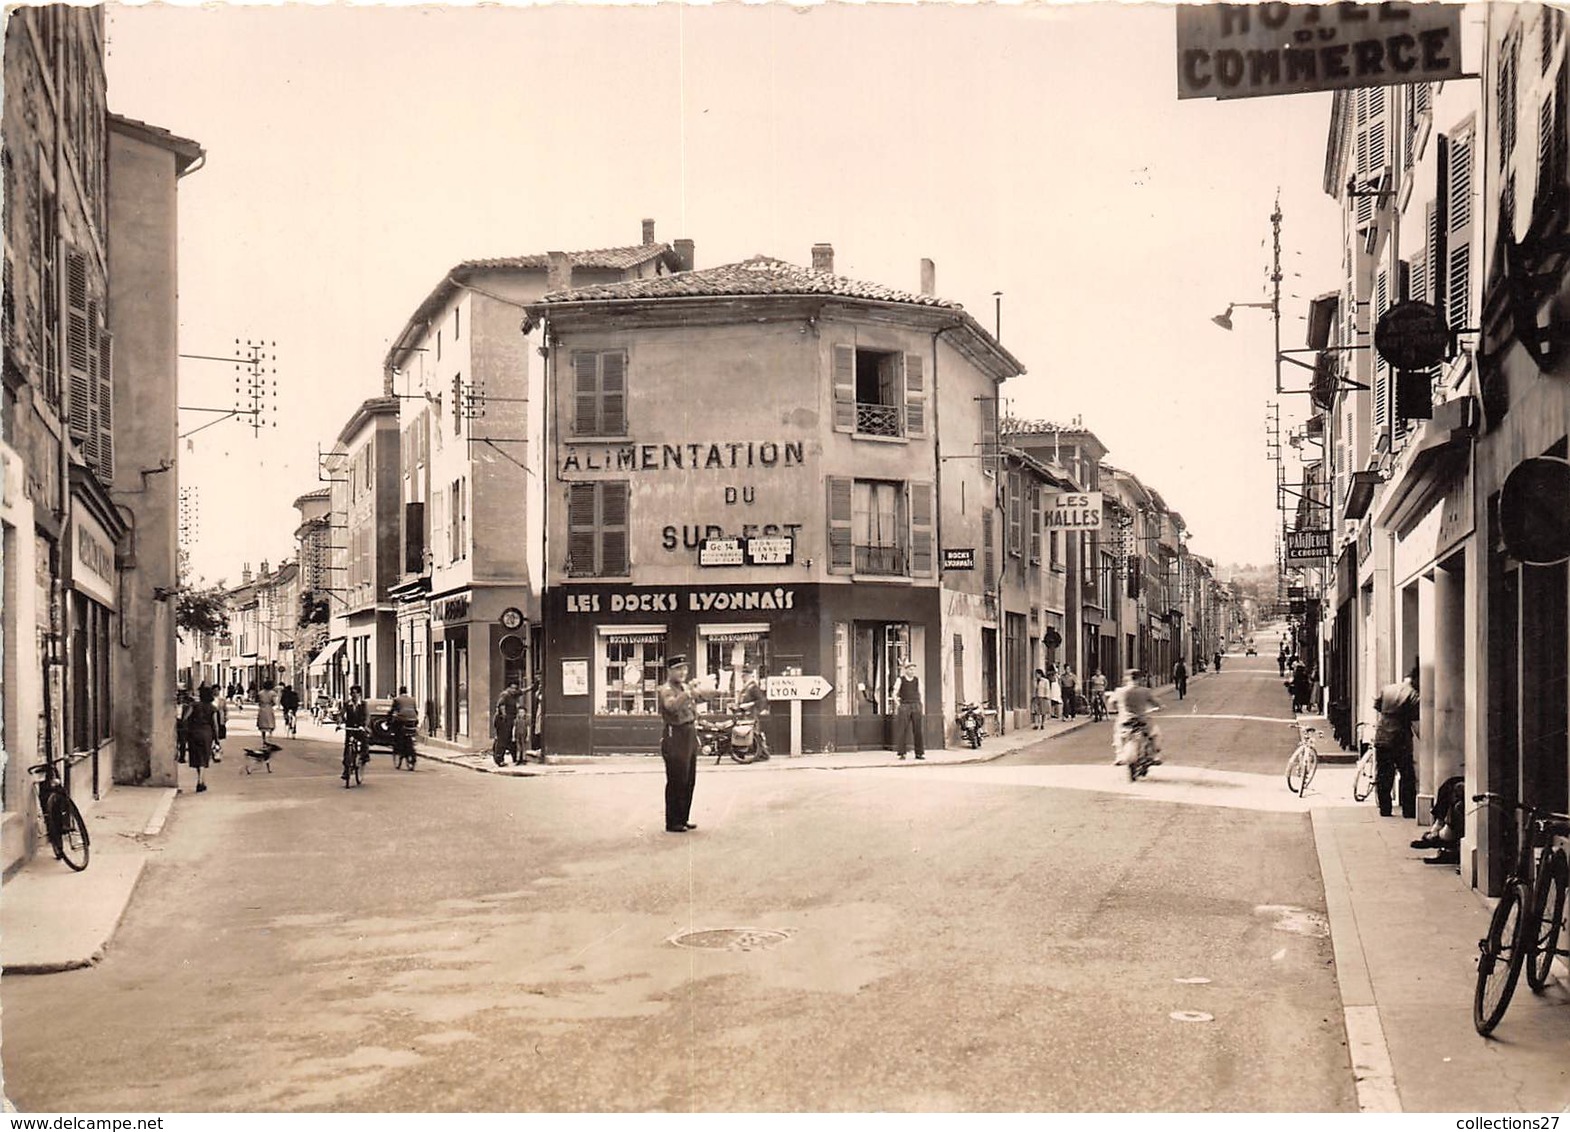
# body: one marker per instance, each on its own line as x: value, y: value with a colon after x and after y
x: 1397, y: 706
x: 910, y: 709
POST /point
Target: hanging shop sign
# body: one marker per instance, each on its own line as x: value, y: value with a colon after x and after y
x: 1071, y: 511
x: 959, y: 558
x: 1412, y: 335
x: 1251, y: 50
x: 1534, y: 511
x: 1308, y: 546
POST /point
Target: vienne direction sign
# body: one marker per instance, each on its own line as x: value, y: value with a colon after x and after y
x: 798, y: 687
x: 1251, y: 50
x: 1308, y: 546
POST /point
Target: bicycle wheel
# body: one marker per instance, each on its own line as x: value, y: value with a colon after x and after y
x: 1499, y: 964
x: 1548, y: 907
x: 358, y: 772
x: 67, y: 831
x: 1297, y: 770
x: 1363, y: 780
x: 1310, y: 767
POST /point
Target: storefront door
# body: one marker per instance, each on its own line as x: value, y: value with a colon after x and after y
x: 879, y: 648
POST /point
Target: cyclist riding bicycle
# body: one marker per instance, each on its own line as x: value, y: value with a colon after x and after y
x: 289, y: 700
x: 405, y: 716
x: 356, y: 733
x: 1134, y: 732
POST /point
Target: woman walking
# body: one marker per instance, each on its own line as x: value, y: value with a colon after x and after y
x: 201, y: 732
x: 266, y: 721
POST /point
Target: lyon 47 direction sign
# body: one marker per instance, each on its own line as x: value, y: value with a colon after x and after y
x: 1249, y: 50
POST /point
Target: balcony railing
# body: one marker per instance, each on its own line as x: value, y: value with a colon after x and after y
x: 890, y: 560
x: 879, y: 420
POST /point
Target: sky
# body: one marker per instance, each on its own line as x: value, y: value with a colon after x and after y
x: 354, y: 154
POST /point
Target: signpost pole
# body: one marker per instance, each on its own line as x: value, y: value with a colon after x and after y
x: 795, y: 727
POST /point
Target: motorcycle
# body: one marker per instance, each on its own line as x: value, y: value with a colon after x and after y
x: 739, y: 737
x: 972, y: 724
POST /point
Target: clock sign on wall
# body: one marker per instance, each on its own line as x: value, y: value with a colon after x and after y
x: 511, y: 618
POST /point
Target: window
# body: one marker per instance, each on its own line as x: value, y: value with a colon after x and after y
x: 597, y: 529
x: 844, y: 688
x: 92, y: 717
x: 879, y: 392
x: 599, y: 393
x: 630, y: 660
x: 726, y: 652
x: 878, y: 527
x: 458, y: 521
x: 1055, y: 549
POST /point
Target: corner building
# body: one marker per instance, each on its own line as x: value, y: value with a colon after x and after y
x: 753, y: 401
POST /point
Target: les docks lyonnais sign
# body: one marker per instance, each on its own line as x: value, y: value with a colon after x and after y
x: 1307, y: 546
x: 1250, y: 50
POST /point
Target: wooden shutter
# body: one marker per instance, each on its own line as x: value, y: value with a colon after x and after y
x: 1381, y: 369
x: 921, y: 532
x: 580, y: 529
x: 915, y: 395
x: 77, y: 354
x: 842, y: 555
x: 615, y: 500
x: 1506, y: 95
x: 613, y: 393
x: 989, y: 432
x: 106, y: 406
x: 1016, y: 514
x: 1458, y: 283
x: 844, y: 389
x: 1035, y: 522
x: 586, y: 393
x: 989, y: 565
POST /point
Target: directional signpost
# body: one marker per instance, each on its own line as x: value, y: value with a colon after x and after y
x: 795, y: 689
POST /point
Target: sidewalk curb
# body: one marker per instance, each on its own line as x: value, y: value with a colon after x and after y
x: 1367, y: 1048
x: 138, y: 865
x: 155, y: 824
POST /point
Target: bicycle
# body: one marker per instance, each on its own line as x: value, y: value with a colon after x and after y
x: 1303, y: 762
x: 1522, y: 932
x: 1363, y: 779
x: 63, y: 824
x: 289, y: 719
x: 403, y: 743
x: 356, y: 753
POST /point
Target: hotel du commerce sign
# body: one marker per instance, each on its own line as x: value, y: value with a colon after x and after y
x: 1252, y: 50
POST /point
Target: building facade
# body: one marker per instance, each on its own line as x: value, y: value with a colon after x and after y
x: 743, y: 468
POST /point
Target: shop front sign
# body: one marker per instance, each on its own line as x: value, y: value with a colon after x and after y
x: 578, y: 459
x: 959, y: 558
x: 670, y: 601
x: 92, y: 558
x: 450, y: 609
x: 1071, y: 511
x: 1308, y: 545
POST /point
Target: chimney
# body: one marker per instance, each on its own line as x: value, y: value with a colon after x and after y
x: 245, y: 574
x: 823, y: 258
x: 648, y: 232
x: 929, y: 277
x: 262, y: 573
x: 558, y: 274
x: 684, y: 255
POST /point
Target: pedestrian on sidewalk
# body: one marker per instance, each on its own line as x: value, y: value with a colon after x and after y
x: 1397, y: 705
x: 504, y: 723
x: 201, y: 732
x: 1070, y: 685
x: 1302, y: 688
x: 182, y: 713
x: 1054, y: 692
x: 909, y: 712
x: 1180, y: 678
x: 679, y: 744
x: 266, y: 720
x: 221, y: 703
x: 1038, y: 700
x: 1281, y: 660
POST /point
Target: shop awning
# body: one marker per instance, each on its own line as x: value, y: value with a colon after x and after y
x: 1359, y: 494
x: 325, y: 657
x: 1436, y: 458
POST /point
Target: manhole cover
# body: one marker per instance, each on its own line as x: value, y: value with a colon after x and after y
x: 1191, y: 1016
x: 730, y: 939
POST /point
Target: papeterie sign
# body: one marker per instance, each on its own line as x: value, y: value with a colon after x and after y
x: 1307, y: 546
x: 1249, y: 50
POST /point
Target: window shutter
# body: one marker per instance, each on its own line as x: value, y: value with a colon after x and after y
x: 613, y: 393
x: 1458, y: 261
x: 90, y: 440
x: 921, y: 532
x: 76, y: 350
x: 915, y: 395
x: 1506, y: 95
x: 842, y: 557
x: 1035, y: 522
x: 989, y: 565
x: 989, y: 433
x: 106, y: 406
x: 614, y: 504
x: 1419, y: 277
x: 580, y: 529
x: 844, y: 389
x: 1422, y: 98
x: 1016, y: 514
x: 1381, y: 369
x: 586, y: 390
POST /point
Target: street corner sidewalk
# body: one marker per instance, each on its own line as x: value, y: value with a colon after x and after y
x: 53, y: 919
x: 1405, y: 936
x: 539, y: 764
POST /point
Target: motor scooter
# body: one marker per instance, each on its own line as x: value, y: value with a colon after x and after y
x: 972, y: 724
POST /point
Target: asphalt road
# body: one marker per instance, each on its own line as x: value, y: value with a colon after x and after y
x: 453, y: 941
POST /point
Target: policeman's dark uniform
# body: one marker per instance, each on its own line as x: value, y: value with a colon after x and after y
x: 679, y: 748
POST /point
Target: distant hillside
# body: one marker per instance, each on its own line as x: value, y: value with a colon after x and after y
x: 1257, y: 582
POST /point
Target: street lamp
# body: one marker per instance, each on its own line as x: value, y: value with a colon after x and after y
x: 1225, y: 320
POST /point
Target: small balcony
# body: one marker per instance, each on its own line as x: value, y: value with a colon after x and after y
x: 890, y: 561
x: 879, y: 420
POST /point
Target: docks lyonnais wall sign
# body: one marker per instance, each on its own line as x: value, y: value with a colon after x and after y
x: 1250, y: 50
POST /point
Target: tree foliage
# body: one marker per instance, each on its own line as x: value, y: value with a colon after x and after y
x: 199, y: 608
